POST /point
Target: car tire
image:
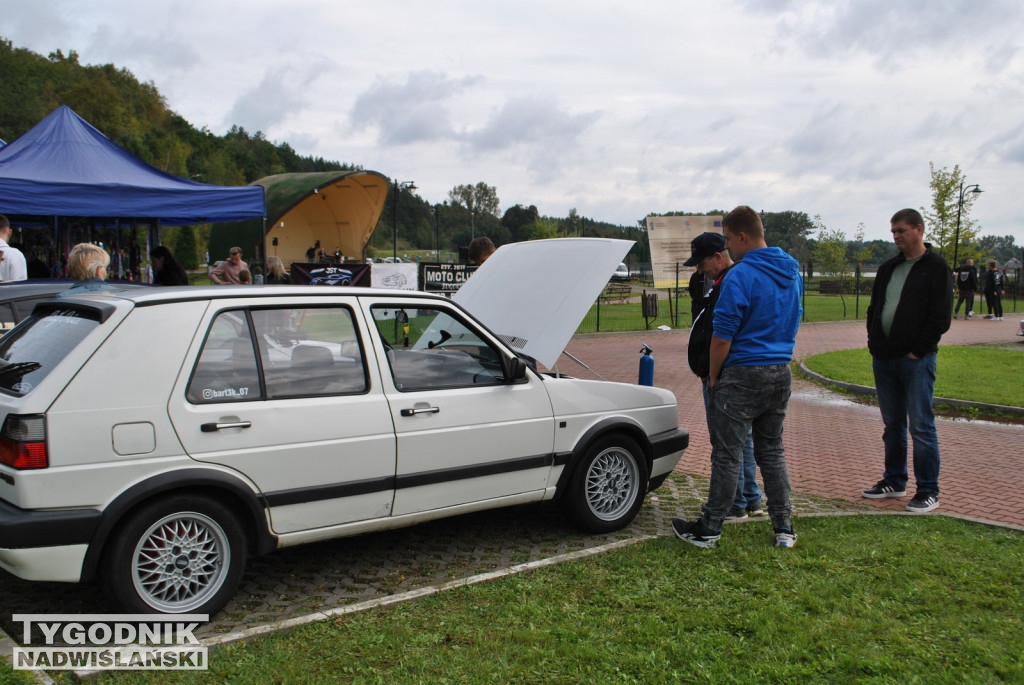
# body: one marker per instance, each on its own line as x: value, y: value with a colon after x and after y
x: 182, y: 554
x: 608, y: 486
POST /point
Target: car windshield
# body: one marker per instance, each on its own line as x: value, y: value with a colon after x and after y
x: 30, y: 352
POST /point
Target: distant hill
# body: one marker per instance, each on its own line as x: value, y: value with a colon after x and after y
x: 135, y: 116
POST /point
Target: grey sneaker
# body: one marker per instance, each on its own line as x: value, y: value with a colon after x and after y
x: 923, y: 503
x: 785, y: 537
x: 881, y: 490
x: 755, y: 510
x: 736, y: 514
x: 970, y: 315
x: 695, y: 533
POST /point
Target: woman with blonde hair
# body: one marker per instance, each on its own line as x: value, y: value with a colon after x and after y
x: 276, y: 274
x: 87, y: 264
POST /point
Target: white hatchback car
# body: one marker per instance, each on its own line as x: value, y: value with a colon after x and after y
x: 156, y: 438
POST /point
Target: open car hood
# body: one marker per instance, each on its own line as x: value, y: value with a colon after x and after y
x: 535, y: 294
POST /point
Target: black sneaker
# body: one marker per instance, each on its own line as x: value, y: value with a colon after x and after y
x: 785, y: 537
x: 755, y: 510
x: 736, y: 514
x: 923, y: 503
x: 881, y: 490
x: 695, y: 533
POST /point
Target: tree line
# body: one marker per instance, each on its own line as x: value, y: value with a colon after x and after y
x: 135, y: 116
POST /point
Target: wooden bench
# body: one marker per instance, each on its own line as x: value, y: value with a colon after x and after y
x: 616, y: 292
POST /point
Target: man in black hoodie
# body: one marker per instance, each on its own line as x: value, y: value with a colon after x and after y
x: 966, y: 286
x: 911, y: 307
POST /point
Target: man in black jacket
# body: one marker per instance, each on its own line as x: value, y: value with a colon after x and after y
x: 966, y: 286
x: 911, y: 307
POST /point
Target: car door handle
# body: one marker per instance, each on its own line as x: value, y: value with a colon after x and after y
x: 420, y: 410
x: 213, y: 427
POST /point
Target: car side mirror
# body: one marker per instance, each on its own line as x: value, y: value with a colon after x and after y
x: 516, y: 370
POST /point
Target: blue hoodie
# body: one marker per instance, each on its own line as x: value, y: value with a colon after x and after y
x: 759, y: 308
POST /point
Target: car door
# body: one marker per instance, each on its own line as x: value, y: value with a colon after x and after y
x: 465, y: 433
x: 285, y: 395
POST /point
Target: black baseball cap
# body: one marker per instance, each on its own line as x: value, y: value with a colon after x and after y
x: 703, y: 246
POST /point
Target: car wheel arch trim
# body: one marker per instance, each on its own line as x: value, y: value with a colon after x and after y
x: 248, y: 505
x: 607, y: 426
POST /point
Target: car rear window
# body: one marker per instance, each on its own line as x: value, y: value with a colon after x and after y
x: 31, y: 351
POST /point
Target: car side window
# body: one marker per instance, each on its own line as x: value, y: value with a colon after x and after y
x: 309, y: 351
x: 429, y: 348
x: 227, y: 369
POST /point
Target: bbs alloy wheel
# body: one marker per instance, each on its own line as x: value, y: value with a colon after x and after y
x: 183, y: 555
x: 609, y: 484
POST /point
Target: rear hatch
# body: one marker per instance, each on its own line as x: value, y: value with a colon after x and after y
x: 37, y: 360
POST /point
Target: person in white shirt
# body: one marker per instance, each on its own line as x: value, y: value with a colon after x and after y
x: 13, y: 267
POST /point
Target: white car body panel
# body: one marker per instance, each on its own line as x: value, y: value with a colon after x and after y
x: 472, y: 427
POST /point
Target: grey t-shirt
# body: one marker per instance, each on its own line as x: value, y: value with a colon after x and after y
x: 893, y: 291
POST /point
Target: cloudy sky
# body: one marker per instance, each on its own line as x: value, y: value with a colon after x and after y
x: 619, y: 109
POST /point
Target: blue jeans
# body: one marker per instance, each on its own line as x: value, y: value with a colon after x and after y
x: 747, y: 492
x: 745, y: 399
x: 905, y: 387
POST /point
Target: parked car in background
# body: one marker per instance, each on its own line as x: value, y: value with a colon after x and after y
x: 621, y: 273
x: 234, y: 421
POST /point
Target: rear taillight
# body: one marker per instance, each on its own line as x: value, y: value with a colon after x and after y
x: 23, y: 442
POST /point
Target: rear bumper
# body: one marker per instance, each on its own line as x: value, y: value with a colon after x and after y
x: 61, y: 564
x: 23, y: 529
x: 45, y: 545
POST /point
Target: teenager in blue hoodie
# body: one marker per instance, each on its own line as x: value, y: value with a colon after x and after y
x: 755, y: 324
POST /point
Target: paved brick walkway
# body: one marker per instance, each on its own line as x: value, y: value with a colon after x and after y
x: 834, y: 445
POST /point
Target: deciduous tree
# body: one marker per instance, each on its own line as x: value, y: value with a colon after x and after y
x: 480, y: 198
x: 941, y: 218
x: 830, y: 256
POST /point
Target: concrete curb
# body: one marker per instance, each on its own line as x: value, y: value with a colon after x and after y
x: 870, y: 391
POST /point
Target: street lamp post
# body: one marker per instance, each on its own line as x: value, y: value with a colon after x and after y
x: 976, y: 189
x: 437, y: 233
x: 394, y: 242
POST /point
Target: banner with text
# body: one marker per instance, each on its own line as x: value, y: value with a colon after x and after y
x: 444, y: 278
x: 323, y: 274
x: 670, y: 238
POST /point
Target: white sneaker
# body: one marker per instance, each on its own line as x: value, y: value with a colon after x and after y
x: 785, y: 537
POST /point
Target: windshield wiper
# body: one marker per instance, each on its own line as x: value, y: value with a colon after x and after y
x: 21, y: 368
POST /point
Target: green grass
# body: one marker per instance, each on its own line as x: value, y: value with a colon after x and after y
x: 628, y: 316
x: 884, y: 599
x: 976, y: 374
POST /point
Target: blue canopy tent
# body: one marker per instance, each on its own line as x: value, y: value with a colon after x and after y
x: 65, y: 167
